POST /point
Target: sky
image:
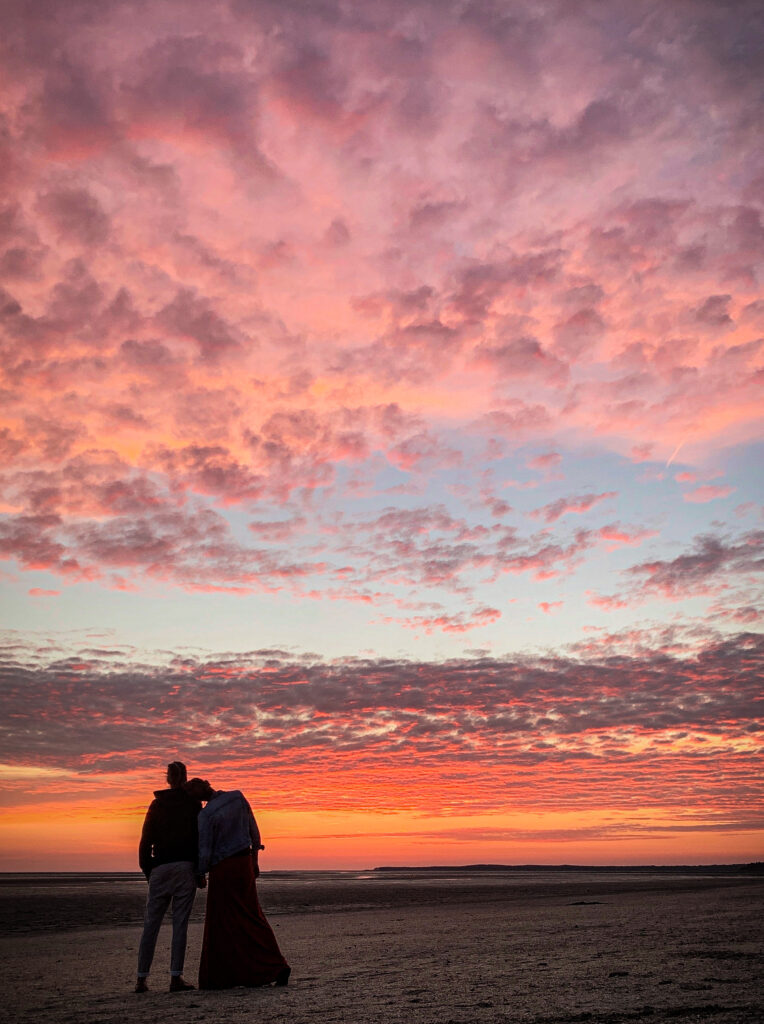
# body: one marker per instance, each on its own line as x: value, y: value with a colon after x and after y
x: 381, y: 427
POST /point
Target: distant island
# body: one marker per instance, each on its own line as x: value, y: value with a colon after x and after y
x: 754, y: 868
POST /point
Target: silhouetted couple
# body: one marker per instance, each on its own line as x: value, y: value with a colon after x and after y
x: 180, y: 843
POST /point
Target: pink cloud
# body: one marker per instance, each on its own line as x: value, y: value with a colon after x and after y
x: 642, y: 452
x: 460, y: 623
x: 521, y: 357
x: 75, y: 213
x: 564, y: 506
x: 546, y: 462
x: 550, y: 606
x: 580, y: 332
x: 706, y: 568
x: 607, y: 603
x: 617, y: 536
x: 40, y: 592
x: 707, y: 492
x: 422, y: 451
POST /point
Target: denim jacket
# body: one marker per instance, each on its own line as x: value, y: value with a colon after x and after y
x: 226, y: 826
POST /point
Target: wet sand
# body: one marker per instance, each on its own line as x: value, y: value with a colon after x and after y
x: 409, y: 947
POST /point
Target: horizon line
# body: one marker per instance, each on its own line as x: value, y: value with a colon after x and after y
x: 757, y: 866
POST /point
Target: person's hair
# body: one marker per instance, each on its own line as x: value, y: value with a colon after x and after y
x: 200, y: 789
x: 176, y: 774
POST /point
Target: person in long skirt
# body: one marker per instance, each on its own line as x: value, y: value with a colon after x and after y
x: 238, y: 947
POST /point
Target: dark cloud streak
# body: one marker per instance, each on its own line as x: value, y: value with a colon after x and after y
x: 651, y: 722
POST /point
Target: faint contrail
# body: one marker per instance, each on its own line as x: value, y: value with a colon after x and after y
x: 674, y: 454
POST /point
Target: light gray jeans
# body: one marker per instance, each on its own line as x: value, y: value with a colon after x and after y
x: 169, y: 883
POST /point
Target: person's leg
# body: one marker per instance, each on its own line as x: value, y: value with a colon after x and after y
x: 182, y: 902
x: 157, y: 902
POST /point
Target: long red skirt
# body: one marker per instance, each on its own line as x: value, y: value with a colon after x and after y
x: 239, y: 947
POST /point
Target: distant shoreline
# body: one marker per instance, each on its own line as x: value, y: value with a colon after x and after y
x: 754, y: 868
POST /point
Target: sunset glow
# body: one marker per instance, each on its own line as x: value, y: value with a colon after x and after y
x: 381, y: 427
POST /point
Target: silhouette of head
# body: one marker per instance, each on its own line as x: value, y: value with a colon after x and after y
x: 176, y: 774
x: 200, y: 789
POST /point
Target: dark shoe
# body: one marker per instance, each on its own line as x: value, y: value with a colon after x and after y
x: 141, y: 986
x: 282, y: 978
x: 177, y: 984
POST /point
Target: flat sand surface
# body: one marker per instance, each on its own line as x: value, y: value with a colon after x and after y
x: 425, y: 950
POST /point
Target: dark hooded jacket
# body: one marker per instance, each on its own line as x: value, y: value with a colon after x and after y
x: 170, y: 831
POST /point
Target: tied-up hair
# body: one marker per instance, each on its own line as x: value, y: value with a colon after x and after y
x: 176, y: 773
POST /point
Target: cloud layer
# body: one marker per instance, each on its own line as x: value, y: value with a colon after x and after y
x: 630, y: 725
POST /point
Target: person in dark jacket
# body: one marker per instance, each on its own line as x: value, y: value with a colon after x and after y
x: 168, y: 855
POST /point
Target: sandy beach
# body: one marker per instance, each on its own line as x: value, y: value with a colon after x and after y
x: 543, y: 947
